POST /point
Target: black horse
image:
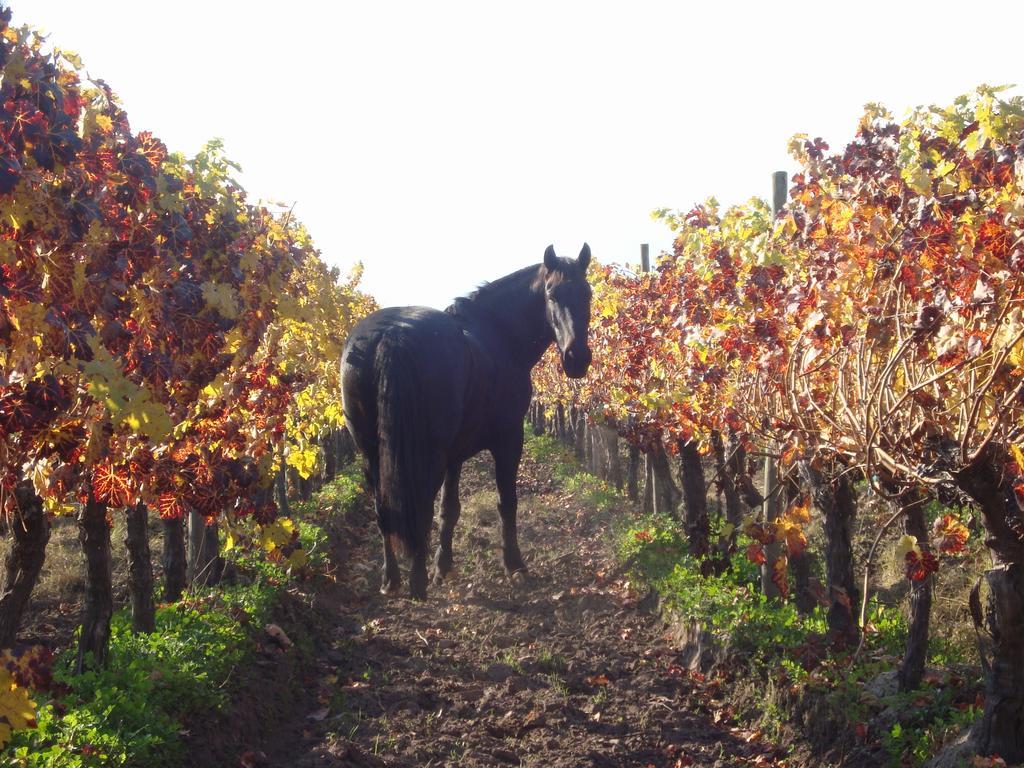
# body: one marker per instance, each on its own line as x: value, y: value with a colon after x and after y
x: 425, y: 390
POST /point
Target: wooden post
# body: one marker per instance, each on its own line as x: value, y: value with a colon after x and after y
x: 772, y: 507
x: 594, y: 462
x: 633, y: 473
x: 780, y: 191
x: 614, y: 460
x: 588, y: 447
x: 579, y: 434
x: 666, y: 493
x: 648, y: 499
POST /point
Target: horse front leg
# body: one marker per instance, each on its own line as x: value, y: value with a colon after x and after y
x: 451, y: 508
x: 506, y: 468
x: 418, y: 572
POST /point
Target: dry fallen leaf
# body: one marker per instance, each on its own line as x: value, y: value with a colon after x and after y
x: 278, y: 635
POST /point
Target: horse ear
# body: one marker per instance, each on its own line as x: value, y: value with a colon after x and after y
x: 584, y: 258
x: 550, y: 260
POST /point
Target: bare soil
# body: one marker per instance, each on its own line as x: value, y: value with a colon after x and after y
x: 572, y: 670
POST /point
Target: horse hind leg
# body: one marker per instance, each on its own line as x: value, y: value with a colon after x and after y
x: 391, y: 579
x: 451, y: 508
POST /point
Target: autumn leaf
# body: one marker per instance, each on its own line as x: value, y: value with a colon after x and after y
x: 1018, y: 456
x: 950, y: 535
x: 17, y: 710
x: 780, y: 575
x: 304, y: 461
x: 170, y: 506
x: 276, y: 534
x: 756, y: 554
x: 789, y: 526
x: 906, y: 545
x: 920, y: 565
x: 297, y: 559
x: 110, y: 485
x: 800, y: 511
x: 917, y: 179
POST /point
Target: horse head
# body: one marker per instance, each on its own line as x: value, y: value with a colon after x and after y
x: 567, y: 306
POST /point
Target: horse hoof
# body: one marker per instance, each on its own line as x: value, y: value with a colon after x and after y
x: 390, y: 588
x: 418, y: 594
x: 520, y: 579
x: 439, y: 577
x: 418, y: 585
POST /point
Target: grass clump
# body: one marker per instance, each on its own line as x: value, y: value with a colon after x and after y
x: 132, y: 712
x: 552, y: 453
x: 728, y: 604
x: 788, y: 654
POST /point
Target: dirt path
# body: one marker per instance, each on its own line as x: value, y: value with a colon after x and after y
x: 571, y: 672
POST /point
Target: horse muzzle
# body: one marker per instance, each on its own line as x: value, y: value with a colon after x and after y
x: 576, y: 361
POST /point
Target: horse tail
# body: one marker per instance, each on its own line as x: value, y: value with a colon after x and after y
x: 403, y: 432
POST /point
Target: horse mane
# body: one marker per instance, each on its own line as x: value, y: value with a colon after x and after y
x: 492, y: 294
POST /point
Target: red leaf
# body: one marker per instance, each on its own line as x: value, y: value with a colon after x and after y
x: 918, y: 568
x: 755, y: 554
x: 111, y: 486
x: 950, y: 535
x: 170, y: 506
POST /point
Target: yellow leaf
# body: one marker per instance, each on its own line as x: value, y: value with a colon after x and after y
x: 126, y: 401
x: 303, y: 460
x: 297, y: 559
x: 276, y: 534
x: 800, y: 511
x: 79, y: 281
x: 1018, y: 455
x: 917, y: 179
x: 17, y: 710
x: 906, y: 545
x: 222, y: 298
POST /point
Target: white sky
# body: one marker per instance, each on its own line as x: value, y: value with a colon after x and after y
x: 446, y: 143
